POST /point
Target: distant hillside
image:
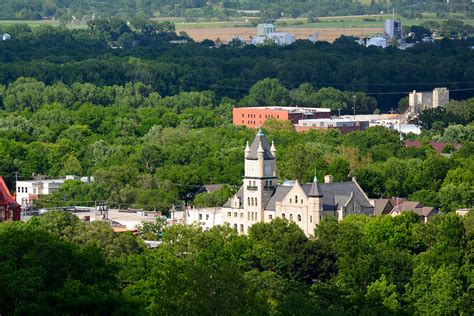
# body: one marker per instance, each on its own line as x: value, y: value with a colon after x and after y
x: 66, y: 9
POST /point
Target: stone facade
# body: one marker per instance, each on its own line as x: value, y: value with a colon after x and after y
x: 262, y: 199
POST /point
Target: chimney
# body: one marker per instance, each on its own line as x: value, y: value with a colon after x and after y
x: 328, y: 179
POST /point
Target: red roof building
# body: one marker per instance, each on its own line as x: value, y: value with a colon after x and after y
x: 9, y: 208
x: 437, y: 146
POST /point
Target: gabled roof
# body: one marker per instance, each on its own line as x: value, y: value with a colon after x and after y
x: 239, y: 194
x: 277, y: 196
x: 334, y: 195
x: 211, y: 188
x: 410, y: 206
x: 383, y: 206
x: 5, y: 196
x: 260, y: 138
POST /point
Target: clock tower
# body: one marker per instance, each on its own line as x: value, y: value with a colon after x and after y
x: 260, y: 176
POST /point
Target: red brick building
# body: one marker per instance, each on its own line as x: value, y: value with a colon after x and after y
x: 256, y: 116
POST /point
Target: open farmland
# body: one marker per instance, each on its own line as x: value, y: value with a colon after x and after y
x: 226, y: 33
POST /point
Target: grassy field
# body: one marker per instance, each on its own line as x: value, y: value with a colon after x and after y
x: 328, y: 28
x: 333, y: 22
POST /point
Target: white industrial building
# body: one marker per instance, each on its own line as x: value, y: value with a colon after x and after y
x: 377, y: 41
x: 264, y: 29
x: 268, y: 32
x: 393, y: 28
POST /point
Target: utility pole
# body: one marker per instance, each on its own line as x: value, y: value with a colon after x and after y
x: 354, y: 105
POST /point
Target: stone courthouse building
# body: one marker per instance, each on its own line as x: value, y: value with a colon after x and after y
x: 262, y: 199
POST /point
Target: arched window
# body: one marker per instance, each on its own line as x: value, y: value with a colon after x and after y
x: 283, y: 215
x: 291, y: 200
x: 242, y: 228
x: 299, y: 218
x: 248, y: 201
x: 235, y: 227
x: 296, y: 199
x: 256, y: 204
x: 291, y: 217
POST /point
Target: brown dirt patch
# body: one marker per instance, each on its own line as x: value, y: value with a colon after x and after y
x: 226, y: 33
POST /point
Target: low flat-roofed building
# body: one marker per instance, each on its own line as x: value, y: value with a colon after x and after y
x: 29, y: 190
x: 344, y: 125
x: 257, y: 116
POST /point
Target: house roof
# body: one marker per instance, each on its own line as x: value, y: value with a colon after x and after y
x: 260, y: 139
x: 410, y: 206
x: 334, y: 195
x: 211, y: 188
x: 437, y: 146
x: 383, y: 206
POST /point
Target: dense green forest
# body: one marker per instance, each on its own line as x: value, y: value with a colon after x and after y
x: 58, y: 265
x: 60, y: 55
x: 152, y: 122
x: 151, y: 151
x: 66, y: 9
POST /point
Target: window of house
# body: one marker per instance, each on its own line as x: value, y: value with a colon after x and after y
x: 207, y: 217
x: 311, y: 218
x: 256, y: 204
x: 242, y: 215
x: 243, y: 122
x: 19, y: 188
x: 291, y: 217
x: 241, y: 228
x: 235, y: 227
x: 291, y: 200
x: 248, y: 201
x: 270, y: 216
x: 229, y: 214
x: 243, y: 115
x: 252, y: 215
x: 296, y: 199
x: 301, y: 201
x: 200, y: 216
x: 260, y: 116
x: 235, y: 214
x: 283, y: 215
x: 299, y: 218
